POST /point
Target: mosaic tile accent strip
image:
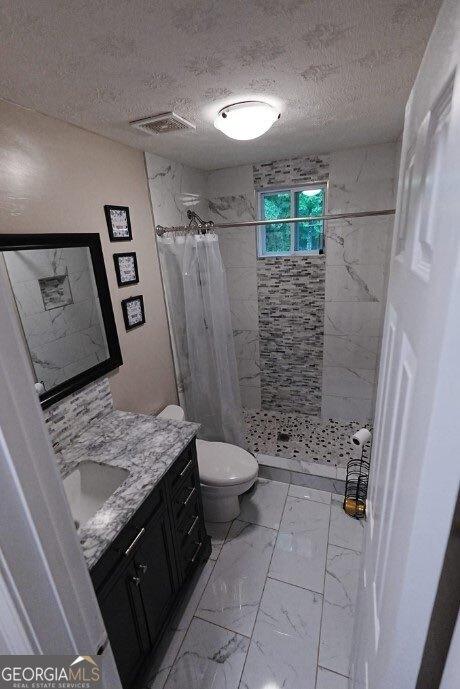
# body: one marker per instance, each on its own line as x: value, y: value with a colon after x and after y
x: 301, y: 438
x: 70, y: 417
x: 291, y: 292
x: 293, y: 171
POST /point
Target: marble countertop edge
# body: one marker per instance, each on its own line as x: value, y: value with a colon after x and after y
x: 145, y: 446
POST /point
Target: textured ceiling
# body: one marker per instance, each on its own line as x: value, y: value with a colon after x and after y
x: 341, y: 70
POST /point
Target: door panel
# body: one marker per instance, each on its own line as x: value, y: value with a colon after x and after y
x: 414, y: 468
x: 154, y: 566
x: 436, y: 125
x: 120, y: 606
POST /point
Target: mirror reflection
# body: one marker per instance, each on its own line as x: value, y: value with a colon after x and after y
x: 58, y: 306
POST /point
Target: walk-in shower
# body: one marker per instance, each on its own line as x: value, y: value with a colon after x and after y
x: 306, y: 323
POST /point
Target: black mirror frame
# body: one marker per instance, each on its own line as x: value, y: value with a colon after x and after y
x: 18, y: 242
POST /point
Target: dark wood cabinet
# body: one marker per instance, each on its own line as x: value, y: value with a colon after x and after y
x: 140, y: 578
x: 154, y: 564
x: 121, y: 608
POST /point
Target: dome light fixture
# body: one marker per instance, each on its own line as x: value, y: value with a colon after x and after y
x: 247, y: 120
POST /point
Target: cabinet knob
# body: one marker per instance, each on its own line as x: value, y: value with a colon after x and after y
x: 136, y: 580
x: 142, y: 568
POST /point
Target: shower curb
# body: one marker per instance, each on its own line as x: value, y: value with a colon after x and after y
x: 271, y: 468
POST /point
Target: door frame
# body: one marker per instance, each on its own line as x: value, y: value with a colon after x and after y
x: 47, y: 602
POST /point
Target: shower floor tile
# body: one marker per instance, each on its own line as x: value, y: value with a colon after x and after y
x: 300, y: 438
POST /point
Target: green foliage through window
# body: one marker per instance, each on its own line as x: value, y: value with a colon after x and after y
x: 292, y: 237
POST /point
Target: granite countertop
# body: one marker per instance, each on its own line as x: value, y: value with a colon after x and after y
x: 144, y: 445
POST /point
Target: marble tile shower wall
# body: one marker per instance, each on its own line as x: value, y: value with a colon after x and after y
x: 356, y: 261
x: 174, y: 189
x: 230, y: 198
x: 357, y: 255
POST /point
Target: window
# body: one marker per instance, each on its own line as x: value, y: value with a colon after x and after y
x: 285, y: 239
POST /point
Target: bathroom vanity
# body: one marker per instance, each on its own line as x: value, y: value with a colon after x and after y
x: 148, y: 537
x: 131, y: 480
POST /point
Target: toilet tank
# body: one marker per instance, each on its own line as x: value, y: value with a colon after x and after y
x: 173, y: 412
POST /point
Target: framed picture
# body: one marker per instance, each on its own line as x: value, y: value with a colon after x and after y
x: 118, y: 223
x: 126, y: 269
x: 133, y: 312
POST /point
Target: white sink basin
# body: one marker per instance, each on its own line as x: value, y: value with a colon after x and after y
x: 89, y: 486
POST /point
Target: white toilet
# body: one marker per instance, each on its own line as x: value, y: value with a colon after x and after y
x: 226, y: 472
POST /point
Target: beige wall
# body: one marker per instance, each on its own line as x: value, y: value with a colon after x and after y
x: 56, y: 178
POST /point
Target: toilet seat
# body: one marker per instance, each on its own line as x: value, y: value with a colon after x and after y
x: 222, y: 464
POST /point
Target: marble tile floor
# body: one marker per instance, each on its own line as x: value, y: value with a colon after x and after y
x: 274, y: 606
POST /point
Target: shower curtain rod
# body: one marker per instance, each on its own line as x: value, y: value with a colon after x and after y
x: 196, y: 223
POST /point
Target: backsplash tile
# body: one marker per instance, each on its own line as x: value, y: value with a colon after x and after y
x: 72, y: 415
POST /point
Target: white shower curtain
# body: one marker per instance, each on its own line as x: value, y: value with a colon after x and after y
x: 201, y: 330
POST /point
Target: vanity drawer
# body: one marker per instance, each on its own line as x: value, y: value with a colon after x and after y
x: 185, y: 496
x: 193, y: 550
x: 181, y: 469
x: 190, y: 521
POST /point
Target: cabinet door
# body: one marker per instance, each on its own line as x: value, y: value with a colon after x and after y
x: 154, y: 562
x: 121, y: 609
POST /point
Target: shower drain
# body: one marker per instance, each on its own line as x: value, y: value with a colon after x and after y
x: 284, y: 436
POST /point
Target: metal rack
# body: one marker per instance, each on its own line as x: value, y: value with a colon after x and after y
x: 354, y: 502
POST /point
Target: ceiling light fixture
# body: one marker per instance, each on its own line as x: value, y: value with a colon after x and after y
x: 247, y: 120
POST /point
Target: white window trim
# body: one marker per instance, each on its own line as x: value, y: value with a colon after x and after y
x: 261, y: 253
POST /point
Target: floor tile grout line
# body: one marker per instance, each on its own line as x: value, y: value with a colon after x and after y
x: 221, y: 626
x: 356, y: 553
x: 263, y: 590
x: 337, y: 545
x: 301, y: 497
x: 359, y: 554
x: 297, y: 586
x: 324, y: 596
x: 189, y: 624
x: 334, y: 672
x: 195, y: 616
x: 244, y: 521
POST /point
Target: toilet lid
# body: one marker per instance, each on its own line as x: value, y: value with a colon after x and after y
x: 222, y: 464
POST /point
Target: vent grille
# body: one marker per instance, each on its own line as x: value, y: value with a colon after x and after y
x: 165, y: 123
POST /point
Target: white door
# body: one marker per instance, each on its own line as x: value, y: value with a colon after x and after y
x: 416, y: 463
x: 47, y: 601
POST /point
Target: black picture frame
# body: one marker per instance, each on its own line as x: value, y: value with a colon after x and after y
x: 108, y: 217
x: 18, y: 242
x: 124, y: 306
x: 116, y: 260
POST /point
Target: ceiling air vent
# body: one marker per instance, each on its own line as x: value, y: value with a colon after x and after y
x: 164, y: 123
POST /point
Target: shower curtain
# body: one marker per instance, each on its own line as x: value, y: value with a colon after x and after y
x: 201, y: 331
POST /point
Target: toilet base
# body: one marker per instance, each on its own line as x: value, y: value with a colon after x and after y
x: 220, y: 509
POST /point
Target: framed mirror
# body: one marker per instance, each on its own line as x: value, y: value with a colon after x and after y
x: 64, y: 308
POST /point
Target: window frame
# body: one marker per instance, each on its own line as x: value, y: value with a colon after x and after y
x: 265, y: 191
